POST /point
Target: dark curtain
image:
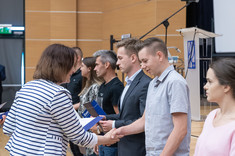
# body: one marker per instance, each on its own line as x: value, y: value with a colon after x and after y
x: 200, y: 15
x: 11, y: 12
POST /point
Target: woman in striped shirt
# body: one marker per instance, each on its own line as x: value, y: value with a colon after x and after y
x: 42, y: 118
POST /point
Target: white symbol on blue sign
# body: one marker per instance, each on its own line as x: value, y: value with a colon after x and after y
x: 191, y: 55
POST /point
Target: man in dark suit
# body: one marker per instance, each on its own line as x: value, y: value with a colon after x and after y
x: 2, y: 78
x: 132, y: 101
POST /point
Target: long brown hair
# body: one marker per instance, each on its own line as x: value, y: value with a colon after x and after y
x: 86, y: 83
x: 55, y: 63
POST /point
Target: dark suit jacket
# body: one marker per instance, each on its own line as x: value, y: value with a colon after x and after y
x: 132, y: 109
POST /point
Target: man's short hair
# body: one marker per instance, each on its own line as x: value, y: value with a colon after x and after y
x: 130, y: 44
x: 155, y: 44
x: 99, y: 52
x: 107, y: 56
x: 78, y: 51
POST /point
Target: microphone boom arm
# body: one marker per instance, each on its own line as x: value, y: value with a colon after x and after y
x: 166, y: 21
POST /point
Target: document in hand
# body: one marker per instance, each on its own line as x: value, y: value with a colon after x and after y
x: 3, y: 113
x: 1, y: 105
x: 92, y: 109
x: 87, y: 123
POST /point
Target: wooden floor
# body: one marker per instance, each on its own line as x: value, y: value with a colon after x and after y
x: 196, y: 130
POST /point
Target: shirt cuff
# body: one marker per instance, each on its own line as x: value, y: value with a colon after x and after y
x: 113, y: 124
x: 94, y: 141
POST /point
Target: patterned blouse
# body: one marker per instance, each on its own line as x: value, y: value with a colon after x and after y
x: 90, y: 94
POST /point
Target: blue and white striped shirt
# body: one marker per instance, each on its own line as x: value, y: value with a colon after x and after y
x: 42, y: 120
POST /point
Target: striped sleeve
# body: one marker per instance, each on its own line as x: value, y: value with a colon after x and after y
x: 64, y: 114
x: 10, y: 122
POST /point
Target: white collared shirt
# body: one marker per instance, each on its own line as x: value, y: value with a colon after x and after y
x: 128, y: 84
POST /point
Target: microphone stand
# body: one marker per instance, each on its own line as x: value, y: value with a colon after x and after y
x: 166, y: 23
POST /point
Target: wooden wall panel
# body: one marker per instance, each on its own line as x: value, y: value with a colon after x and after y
x: 37, y: 25
x: 88, y: 48
x: 63, y: 25
x: 176, y: 22
x: 109, y: 5
x: 56, y: 21
x: 89, y: 5
x: 136, y: 19
x: 42, y: 5
x: 50, y: 5
x: 89, y: 26
x: 63, y: 5
x: 45, y: 25
x: 48, y: 22
x: 34, y: 50
x: 29, y: 74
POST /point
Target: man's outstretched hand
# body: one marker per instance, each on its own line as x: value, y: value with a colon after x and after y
x: 112, y: 139
x: 117, y: 133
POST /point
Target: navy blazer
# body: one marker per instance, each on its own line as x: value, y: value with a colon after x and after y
x: 133, y: 107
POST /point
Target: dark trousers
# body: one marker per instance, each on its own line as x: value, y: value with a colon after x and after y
x: 75, y: 149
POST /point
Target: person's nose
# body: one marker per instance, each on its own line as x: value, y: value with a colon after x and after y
x: 142, y: 66
x: 205, y: 86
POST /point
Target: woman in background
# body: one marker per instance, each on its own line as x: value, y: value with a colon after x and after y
x: 42, y: 119
x: 218, y: 134
x: 90, y: 89
x: 90, y: 84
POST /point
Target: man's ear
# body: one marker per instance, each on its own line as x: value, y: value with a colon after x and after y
x: 134, y: 58
x: 160, y: 55
x: 107, y: 64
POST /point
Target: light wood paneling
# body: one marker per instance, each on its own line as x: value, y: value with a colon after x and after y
x: 176, y: 22
x: 110, y: 5
x: 29, y: 74
x: 34, y: 50
x: 42, y: 5
x: 63, y: 26
x: 89, y: 5
x: 63, y: 5
x: 44, y: 25
x: 53, y: 5
x: 136, y: 19
x: 90, y: 47
x: 37, y: 25
x: 89, y: 26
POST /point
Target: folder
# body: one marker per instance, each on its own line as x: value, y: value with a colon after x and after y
x: 1, y: 105
x: 87, y: 123
x: 92, y: 109
x: 3, y: 113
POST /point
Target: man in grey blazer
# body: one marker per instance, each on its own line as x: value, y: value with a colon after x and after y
x: 132, y: 100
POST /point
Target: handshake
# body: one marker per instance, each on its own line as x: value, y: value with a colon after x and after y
x: 112, y: 135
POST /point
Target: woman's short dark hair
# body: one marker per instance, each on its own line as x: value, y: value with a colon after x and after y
x: 55, y: 63
x: 224, y: 69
